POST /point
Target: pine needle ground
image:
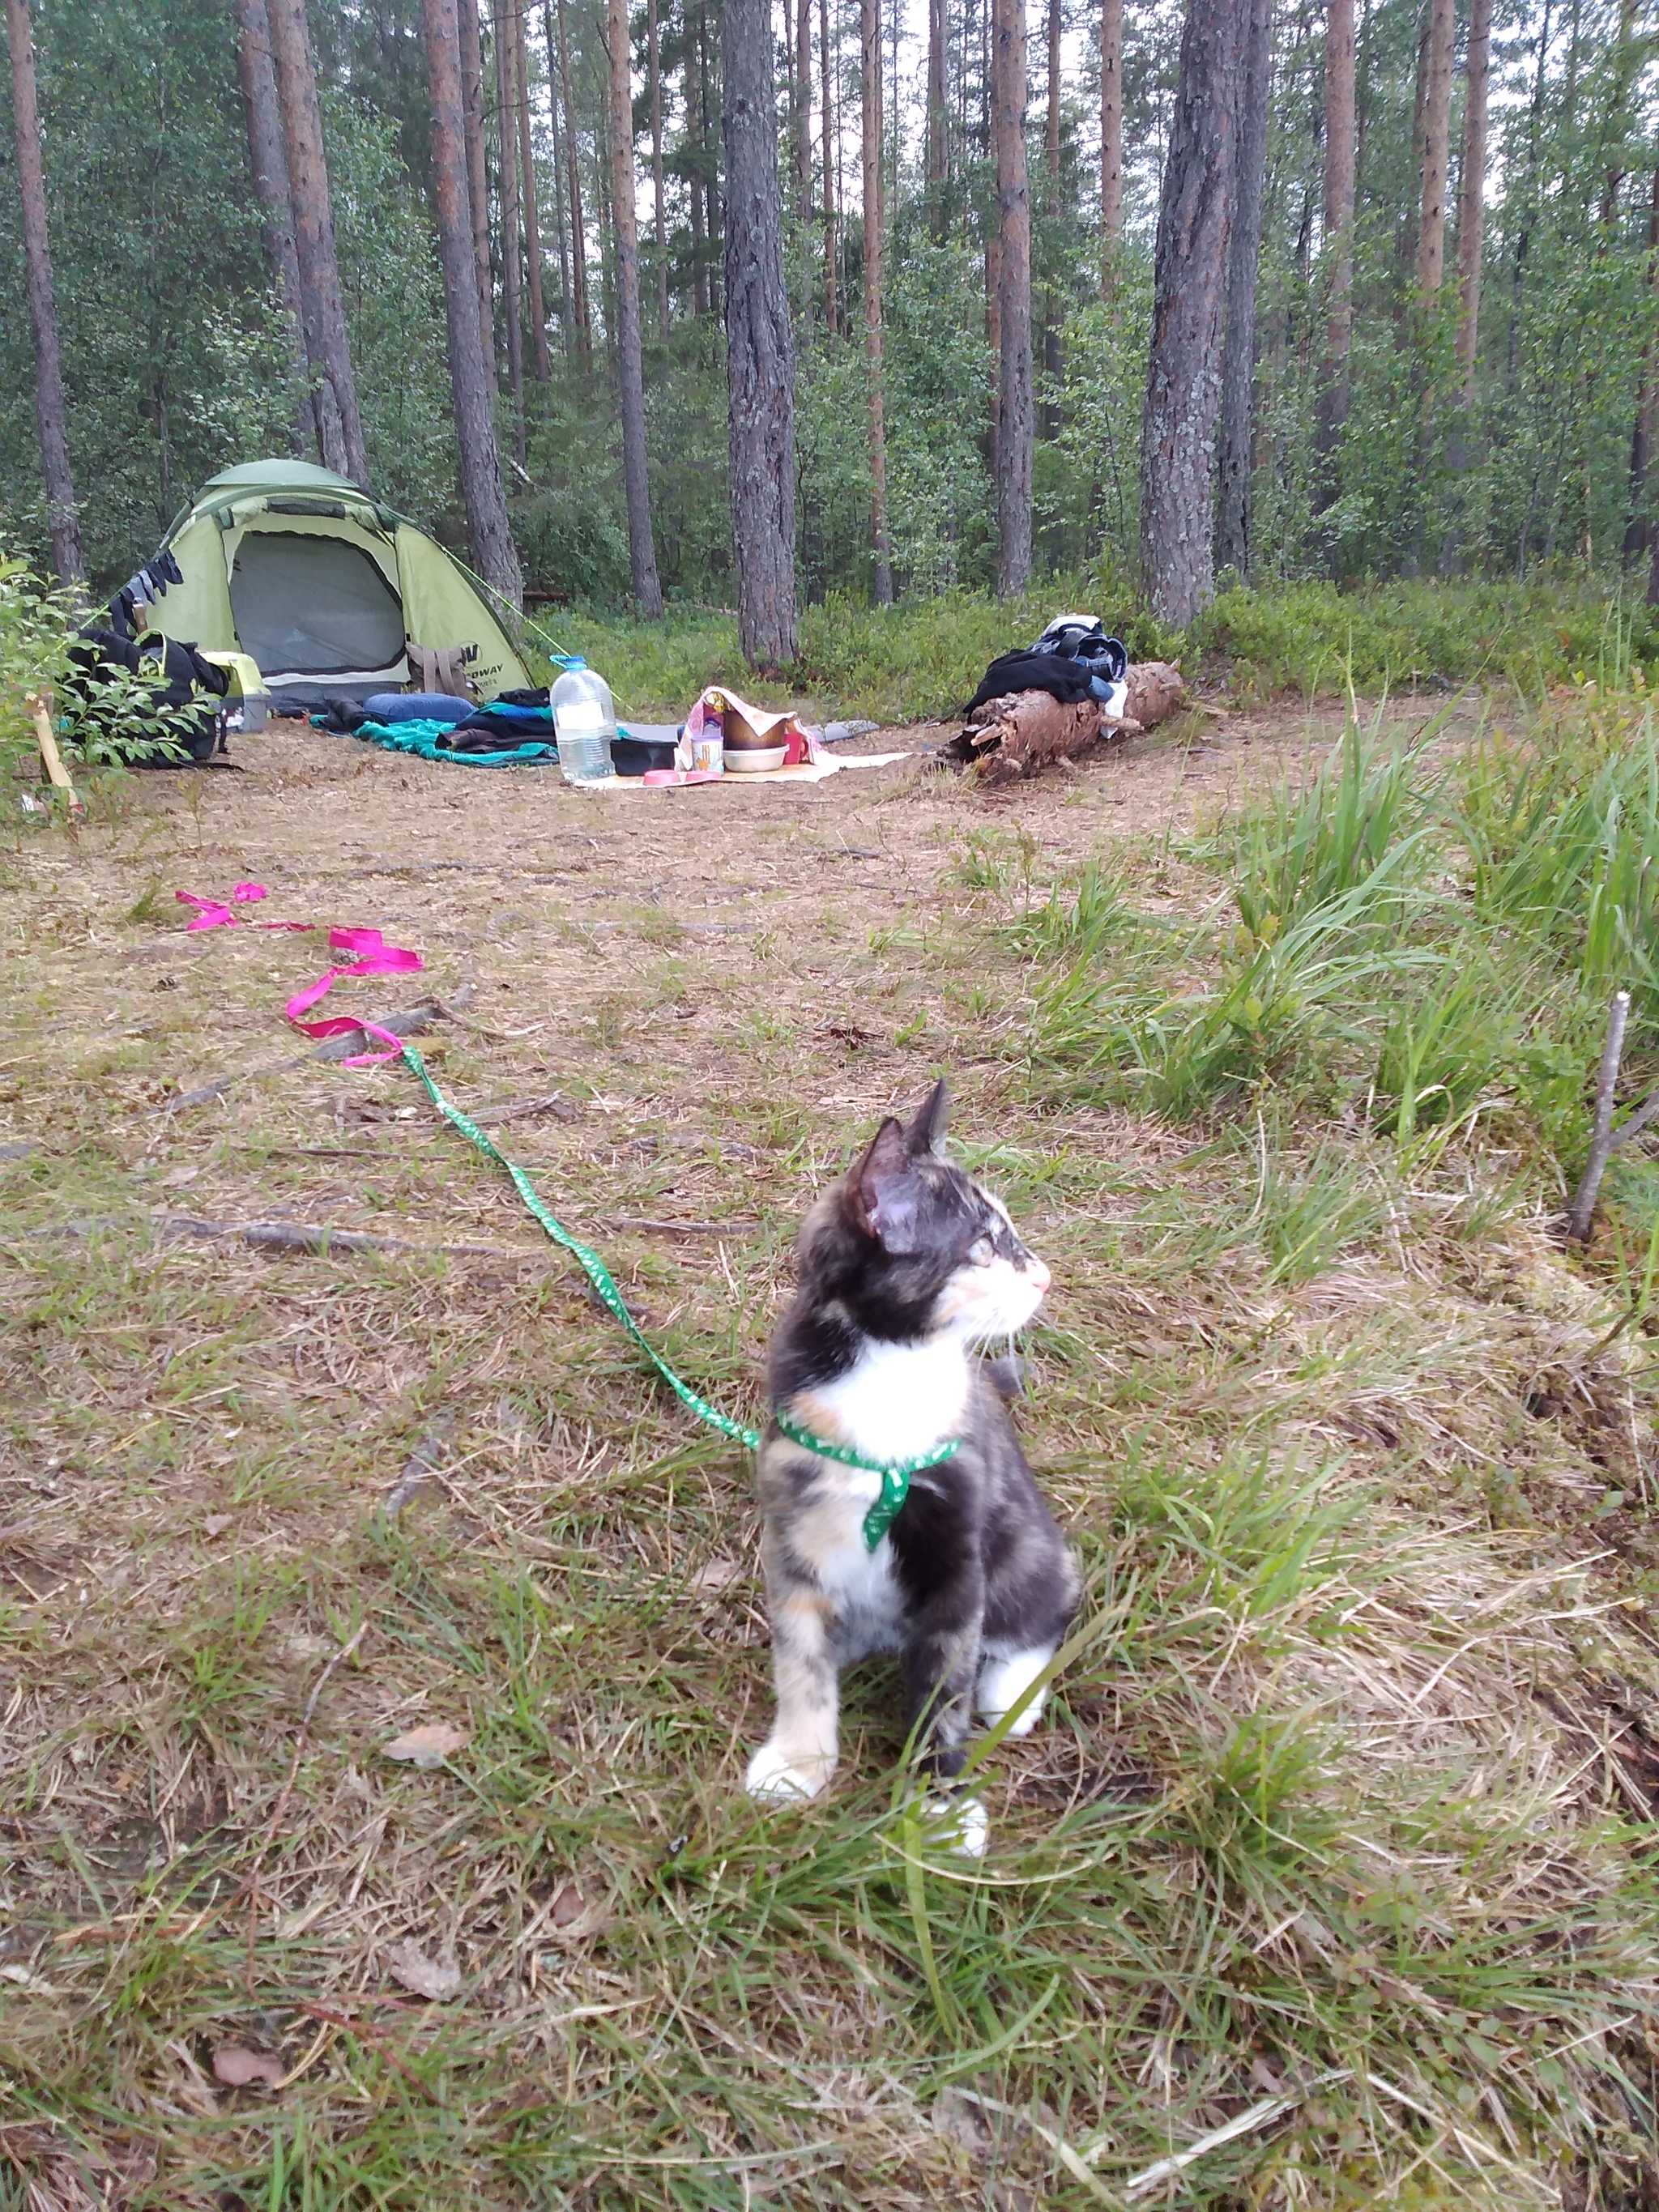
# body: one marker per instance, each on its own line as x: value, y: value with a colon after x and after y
x: 1328, y: 1882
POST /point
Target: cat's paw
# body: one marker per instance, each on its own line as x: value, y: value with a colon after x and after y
x: 776, y: 1781
x: 1002, y: 1682
x: 958, y: 1825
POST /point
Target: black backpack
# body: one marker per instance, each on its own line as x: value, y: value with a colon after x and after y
x: 176, y: 675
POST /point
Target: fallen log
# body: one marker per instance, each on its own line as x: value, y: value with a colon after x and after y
x: 1016, y: 736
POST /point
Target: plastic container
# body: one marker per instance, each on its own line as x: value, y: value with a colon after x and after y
x: 585, y: 724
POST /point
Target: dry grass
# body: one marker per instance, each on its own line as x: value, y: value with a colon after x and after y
x: 1342, y: 1824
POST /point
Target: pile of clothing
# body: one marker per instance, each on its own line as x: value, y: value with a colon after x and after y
x: 513, y: 729
x: 1072, y: 659
x: 1050, y: 701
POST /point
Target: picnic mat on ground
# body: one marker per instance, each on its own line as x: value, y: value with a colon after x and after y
x: 426, y: 740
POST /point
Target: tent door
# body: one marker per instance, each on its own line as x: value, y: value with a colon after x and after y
x: 318, y: 613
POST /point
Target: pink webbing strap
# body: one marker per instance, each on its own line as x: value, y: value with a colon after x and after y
x: 378, y: 959
x: 211, y: 914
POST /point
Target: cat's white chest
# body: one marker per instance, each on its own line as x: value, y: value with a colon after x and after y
x: 898, y: 1400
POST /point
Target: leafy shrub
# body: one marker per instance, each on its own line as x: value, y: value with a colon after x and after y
x: 37, y: 626
x: 35, y: 622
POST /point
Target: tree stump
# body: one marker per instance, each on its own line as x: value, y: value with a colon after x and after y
x: 1029, y: 731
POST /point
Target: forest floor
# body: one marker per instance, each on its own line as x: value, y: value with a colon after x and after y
x: 1326, y: 1881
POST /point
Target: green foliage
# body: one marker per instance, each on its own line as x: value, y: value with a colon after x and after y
x: 923, y: 657
x: 1313, y: 637
x: 37, y: 627
x: 1087, y: 488
x: 174, y: 354
x: 177, y: 361
x: 34, y: 625
x: 384, y: 231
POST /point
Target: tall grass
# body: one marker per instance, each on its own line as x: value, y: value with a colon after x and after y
x: 1420, y: 941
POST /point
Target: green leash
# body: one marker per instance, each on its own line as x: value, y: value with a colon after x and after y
x: 895, y: 1474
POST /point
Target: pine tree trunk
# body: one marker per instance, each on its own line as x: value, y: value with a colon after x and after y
x: 574, y: 191
x: 870, y: 63
x: 830, y: 311
x: 716, y: 235
x: 1425, y: 22
x: 1111, y: 143
x: 567, y: 310
x: 506, y: 140
x: 993, y: 344
x: 532, y: 217
x: 268, y: 164
x: 1016, y: 425
x: 488, y: 533
x: 1232, y: 542
x: 759, y: 348
x: 630, y: 366
x: 1052, y: 365
x: 1339, y: 180
x: 606, y: 230
x: 1638, y: 530
x: 800, y: 110
x: 1183, y: 384
x: 478, y: 182
x: 654, y: 63
x: 1435, y: 148
x: 322, y: 306
x: 988, y: 78
x: 938, y: 114
x: 695, y: 136
x: 63, y: 516
x: 1471, y: 189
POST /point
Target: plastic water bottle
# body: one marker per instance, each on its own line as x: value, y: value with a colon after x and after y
x: 584, y: 723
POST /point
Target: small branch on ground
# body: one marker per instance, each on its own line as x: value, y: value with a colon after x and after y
x: 1582, y: 1210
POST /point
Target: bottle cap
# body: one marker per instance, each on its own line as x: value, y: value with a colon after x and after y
x: 575, y: 662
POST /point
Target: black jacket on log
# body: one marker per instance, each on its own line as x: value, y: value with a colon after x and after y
x: 1067, y: 680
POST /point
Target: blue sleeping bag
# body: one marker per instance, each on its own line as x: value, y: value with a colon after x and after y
x: 418, y: 707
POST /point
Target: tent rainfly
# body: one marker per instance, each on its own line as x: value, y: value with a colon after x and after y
x: 324, y: 587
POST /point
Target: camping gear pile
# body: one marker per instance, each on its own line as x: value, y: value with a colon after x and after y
x: 333, y: 594
x: 185, y: 687
x: 284, y: 586
x: 282, y: 567
x: 721, y: 735
x: 1073, y: 689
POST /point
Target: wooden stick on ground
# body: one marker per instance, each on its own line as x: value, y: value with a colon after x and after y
x: 1582, y: 1210
x: 50, y: 759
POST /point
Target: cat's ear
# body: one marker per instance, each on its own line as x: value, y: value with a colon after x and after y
x: 927, y: 1133
x: 882, y: 1190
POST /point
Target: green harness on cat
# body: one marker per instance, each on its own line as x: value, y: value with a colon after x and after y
x: 895, y: 1474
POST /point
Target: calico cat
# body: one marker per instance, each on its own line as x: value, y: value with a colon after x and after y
x: 906, y: 1267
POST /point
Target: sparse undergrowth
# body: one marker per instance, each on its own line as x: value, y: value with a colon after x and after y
x: 1328, y: 1883
x: 926, y: 656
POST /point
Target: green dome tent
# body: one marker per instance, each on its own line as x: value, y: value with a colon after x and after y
x: 323, y: 586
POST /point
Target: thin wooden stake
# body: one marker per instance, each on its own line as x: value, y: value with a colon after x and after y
x: 50, y: 759
x: 1602, y: 1143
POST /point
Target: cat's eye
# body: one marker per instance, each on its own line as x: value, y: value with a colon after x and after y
x: 981, y: 1251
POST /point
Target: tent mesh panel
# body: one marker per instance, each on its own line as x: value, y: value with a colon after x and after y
x: 313, y: 606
